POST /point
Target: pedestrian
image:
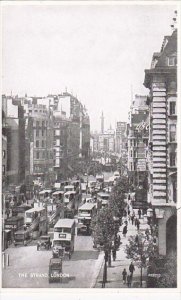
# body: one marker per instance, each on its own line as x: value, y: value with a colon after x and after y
x: 132, y: 219
x: 125, y: 230
x: 129, y: 218
x: 139, y: 213
x: 124, y: 273
x: 135, y: 221
x: 114, y: 254
x: 7, y: 212
x: 129, y: 280
x: 138, y: 224
x: 119, y: 240
x: 147, y: 233
x: 131, y: 269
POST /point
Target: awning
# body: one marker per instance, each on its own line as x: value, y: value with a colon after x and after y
x: 172, y: 173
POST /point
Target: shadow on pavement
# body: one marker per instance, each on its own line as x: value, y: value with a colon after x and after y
x: 84, y: 255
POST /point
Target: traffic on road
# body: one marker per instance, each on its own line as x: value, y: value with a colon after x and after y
x: 51, y: 234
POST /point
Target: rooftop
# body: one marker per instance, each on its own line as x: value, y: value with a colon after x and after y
x: 65, y: 223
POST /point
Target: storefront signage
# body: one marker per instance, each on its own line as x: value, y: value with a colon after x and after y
x: 62, y: 235
x: 143, y: 125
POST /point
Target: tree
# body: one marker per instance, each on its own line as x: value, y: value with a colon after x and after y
x: 118, y: 195
x: 166, y: 268
x: 169, y: 274
x: 102, y: 226
x: 103, y: 232
x: 141, y: 249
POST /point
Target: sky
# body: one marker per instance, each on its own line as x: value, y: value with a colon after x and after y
x: 97, y: 52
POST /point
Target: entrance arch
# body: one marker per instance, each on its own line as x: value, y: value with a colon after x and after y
x: 171, y: 235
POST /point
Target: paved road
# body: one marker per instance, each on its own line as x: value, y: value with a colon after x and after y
x: 29, y: 267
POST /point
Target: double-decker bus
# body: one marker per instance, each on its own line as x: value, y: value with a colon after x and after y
x: 58, y: 196
x: 15, y: 223
x: 45, y: 194
x: 85, y: 214
x: 69, y: 188
x: 20, y: 210
x: 103, y: 199
x: 36, y: 219
x: 64, y: 234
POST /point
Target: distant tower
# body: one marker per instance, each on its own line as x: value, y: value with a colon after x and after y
x: 102, y: 123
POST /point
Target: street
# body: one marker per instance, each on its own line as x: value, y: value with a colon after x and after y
x: 29, y: 268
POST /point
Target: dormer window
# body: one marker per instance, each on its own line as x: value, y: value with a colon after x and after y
x: 172, y: 61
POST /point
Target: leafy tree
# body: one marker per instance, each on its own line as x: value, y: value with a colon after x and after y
x: 169, y: 273
x: 141, y: 249
x: 118, y: 195
x: 103, y: 232
x: 103, y: 228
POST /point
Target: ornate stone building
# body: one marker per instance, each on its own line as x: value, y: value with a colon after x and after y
x: 161, y: 80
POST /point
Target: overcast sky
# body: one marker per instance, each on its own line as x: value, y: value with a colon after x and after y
x: 97, y: 52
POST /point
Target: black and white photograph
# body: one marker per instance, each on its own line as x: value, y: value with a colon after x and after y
x: 89, y: 117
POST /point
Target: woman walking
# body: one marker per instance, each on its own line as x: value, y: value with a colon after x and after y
x: 125, y: 230
x: 124, y: 273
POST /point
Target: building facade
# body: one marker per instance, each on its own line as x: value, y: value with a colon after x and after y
x: 39, y: 134
x: 121, y: 139
x: 161, y: 80
x: 14, y: 140
x: 137, y: 133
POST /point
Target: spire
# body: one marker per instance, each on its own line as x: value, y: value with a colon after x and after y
x: 102, y: 123
x: 174, y: 24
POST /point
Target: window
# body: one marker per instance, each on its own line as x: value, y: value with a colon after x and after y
x: 37, y: 123
x: 131, y: 153
x: 57, y: 132
x: 43, y: 144
x: 4, y: 153
x: 172, y: 132
x: 57, y: 142
x: 37, y: 144
x: 37, y: 132
x: 4, y: 169
x: 172, y: 108
x: 172, y: 61
x: 43, y: 132
x: 37, y: 155
x: 135, y: 153
x: 135, y: 143
x: 131, y: 166
x: 172, y: 159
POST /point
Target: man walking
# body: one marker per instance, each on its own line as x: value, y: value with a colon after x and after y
x: 129, y: 280
x: 125, y: 230
x: 139, y: 213
x: 131, y: 269
x: 138, y: 224
x: 132, y: 219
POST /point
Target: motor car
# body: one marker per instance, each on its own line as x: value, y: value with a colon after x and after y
x: 44, y: 243
x: 55, y: 270
x: 21, y: 237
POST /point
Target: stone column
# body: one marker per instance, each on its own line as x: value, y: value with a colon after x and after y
x: 159, y: 139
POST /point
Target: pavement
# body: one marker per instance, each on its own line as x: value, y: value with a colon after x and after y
x: 114, y: 273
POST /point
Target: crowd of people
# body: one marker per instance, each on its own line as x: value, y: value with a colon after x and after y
x: 129, y: 217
